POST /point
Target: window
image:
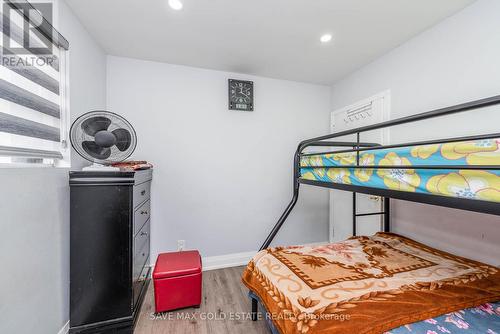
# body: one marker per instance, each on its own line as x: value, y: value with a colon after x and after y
x: 33, y: 86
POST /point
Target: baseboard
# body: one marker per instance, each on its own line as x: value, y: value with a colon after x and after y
x: 234, y: 259
x: 226, y: 261
x: 64, y: 329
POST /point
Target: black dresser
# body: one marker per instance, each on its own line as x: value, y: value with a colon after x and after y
x: 109, y: 249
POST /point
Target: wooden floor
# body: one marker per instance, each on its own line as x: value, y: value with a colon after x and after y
x: 224, y: 297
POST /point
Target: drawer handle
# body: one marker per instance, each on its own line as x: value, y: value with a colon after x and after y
x: 144, y: 212
x: 143, y: 192
x: 144, y: 233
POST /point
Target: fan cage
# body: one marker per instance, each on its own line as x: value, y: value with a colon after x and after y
x: 78, y: 136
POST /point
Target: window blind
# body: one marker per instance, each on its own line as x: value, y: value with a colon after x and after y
x: 33, y: 94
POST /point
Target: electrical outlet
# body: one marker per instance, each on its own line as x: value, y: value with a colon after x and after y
x: 181, y: 244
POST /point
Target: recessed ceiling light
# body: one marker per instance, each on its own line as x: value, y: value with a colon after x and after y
x: 175, y: 4
x: 325, y: 38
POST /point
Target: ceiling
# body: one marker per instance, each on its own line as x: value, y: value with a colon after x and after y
x: 271, y: 38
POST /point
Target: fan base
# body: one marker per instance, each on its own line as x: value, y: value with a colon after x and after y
x: 100, y: 168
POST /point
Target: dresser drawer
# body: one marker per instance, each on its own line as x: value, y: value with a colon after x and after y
x: 141, y: 238
x: 141, y: 215
x: 140, y: 260
x: 138, y: 284
x: 139, y: 265
x: 142, y: 176
x: 142, y: 193
x: 141, y: 253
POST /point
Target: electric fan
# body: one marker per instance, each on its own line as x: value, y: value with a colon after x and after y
x: 103, y: 138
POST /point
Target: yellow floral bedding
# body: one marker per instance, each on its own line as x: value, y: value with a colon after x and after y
x: 365, y: 284
x: 471, y: 184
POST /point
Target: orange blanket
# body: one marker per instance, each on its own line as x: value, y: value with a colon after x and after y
x: 365, y: 284
x: 132, y: 165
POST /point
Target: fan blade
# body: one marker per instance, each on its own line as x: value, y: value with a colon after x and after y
x: 95, y: 151
x: 123, y: 139
x: 95, y: 124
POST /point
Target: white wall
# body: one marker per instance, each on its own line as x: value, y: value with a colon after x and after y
x: 222, y: 178
x: 87, y: 72
x: 34, y: 238
x: 453, y: 62
x: 215, y: 194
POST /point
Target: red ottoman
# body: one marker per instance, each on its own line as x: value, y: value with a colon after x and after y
x: 177, y: 280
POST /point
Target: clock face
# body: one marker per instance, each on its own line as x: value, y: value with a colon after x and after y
x: 240, y: 95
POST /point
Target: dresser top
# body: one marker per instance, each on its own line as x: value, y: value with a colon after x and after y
x: 115, y: 177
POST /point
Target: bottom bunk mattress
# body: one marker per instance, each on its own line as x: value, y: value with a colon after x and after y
x: 482, y: 319
x: 365, y: 285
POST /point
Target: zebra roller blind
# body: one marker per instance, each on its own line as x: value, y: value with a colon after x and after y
x: 33, y: 83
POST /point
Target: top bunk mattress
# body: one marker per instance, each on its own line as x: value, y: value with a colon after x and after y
x: 478, y: 184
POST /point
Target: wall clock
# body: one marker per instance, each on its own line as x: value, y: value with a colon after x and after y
x: 240, y: 95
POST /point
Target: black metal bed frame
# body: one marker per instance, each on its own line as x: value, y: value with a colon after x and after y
x: 358, y: 146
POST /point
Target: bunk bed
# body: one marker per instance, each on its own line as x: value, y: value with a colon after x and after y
x: 374, y: 284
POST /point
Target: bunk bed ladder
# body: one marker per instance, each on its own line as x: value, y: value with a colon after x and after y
x: 354, y: 196
x: 386, y: 213
x: 355, y: 214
